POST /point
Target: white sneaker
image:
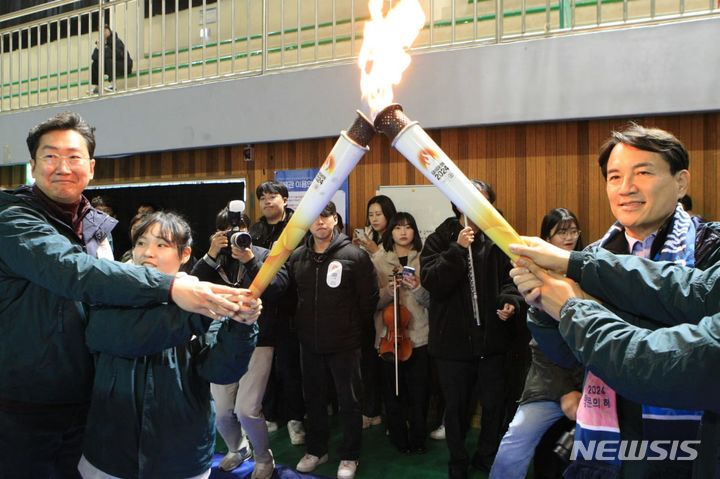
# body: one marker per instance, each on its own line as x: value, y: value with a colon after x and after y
x: 439, y: 433
x: 296, y: 431
x: 346, y: 469
x: 308, y: 463
x: 264, y: 470
x: 272, y: 426
x: 233, y: 459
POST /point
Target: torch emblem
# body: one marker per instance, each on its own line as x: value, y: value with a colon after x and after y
x: 431, y: 161
x: 425, y: 156
x: 329, y: 164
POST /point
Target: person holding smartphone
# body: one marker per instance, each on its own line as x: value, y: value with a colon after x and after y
x: 398, y: 266
x: 380, y: 209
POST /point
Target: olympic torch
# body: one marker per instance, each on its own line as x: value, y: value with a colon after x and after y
x: 349, y: 148
x: 418, y: 148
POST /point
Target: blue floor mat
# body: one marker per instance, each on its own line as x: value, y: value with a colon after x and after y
x: 245, y: 469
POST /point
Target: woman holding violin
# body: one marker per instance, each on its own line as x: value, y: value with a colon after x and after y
x: 401, y: 325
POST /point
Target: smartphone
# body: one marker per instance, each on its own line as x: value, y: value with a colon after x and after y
x: 360, y: 233
x: 408, y: 272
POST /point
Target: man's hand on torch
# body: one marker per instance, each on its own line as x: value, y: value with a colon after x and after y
x: 542, y: 289
x: 211, y: 300
x: 543, y: 254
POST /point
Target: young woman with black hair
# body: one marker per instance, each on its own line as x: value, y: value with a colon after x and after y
x: 406, y: 412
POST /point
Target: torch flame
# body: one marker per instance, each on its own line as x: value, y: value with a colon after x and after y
x: 383, y: 56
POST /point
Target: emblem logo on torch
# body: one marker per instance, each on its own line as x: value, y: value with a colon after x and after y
x: 430, y: 160
x: 425, y: 156
x: 329, y: 164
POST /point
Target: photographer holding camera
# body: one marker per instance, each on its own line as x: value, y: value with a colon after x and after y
x: 230, y: 246
x: 232, y: 259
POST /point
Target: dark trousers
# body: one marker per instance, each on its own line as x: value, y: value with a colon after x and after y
x: 459, y: 380
x: 284, y: 396
x: 411, y: 406
x: 42, y: 445
x: 345, y: 370
x: 108, y: 70
x: 372, y: 382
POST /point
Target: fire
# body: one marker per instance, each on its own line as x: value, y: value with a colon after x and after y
x: 383, y: 56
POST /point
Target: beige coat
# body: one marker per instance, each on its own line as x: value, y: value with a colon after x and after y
x: 416, y: 301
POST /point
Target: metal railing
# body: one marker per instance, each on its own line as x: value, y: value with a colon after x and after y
x: 49, y: 60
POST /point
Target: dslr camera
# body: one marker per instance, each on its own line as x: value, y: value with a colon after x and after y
x: 564, y: 445
x: 237, y: 238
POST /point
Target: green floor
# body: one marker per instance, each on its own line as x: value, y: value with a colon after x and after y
x: 379, y: 458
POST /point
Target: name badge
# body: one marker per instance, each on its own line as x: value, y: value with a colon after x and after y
x: 334, y: 274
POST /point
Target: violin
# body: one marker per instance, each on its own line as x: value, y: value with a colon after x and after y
x: 396, y: 344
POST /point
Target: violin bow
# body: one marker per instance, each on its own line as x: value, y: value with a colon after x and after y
x: 395, y: 311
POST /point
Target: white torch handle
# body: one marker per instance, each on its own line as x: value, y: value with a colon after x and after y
x: 333, y: 172
x: 417, y: 146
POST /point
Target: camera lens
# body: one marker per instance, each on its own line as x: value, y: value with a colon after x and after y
x: 563, y: 448
x: 241, y: 239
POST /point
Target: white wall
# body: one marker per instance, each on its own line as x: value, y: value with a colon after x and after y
x: 662, y: 69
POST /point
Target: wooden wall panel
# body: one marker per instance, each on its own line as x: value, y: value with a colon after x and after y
x: 533, y: 167
x: 11, y: 176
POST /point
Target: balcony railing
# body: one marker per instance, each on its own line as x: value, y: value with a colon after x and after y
x: 47, y: 61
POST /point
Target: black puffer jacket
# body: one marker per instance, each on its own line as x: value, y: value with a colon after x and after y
x: 264, y: 234
x: 337, y: 294
x: 454, y: 333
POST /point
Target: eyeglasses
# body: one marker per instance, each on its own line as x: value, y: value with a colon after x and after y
x: 573, y: 232
x: 53, y: 159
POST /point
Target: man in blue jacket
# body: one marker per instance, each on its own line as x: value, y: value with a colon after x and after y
x: 54, y: 258
x: 646, y: 172
x: 672, y: 366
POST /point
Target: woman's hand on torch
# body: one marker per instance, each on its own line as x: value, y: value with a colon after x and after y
x: 543, y: 254
x: 466, y: 237
x: 542, y: 289
x: 250, y: 307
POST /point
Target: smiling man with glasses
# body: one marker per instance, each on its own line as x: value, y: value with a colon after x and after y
x: 55, y: 259
x: 62, y: 165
